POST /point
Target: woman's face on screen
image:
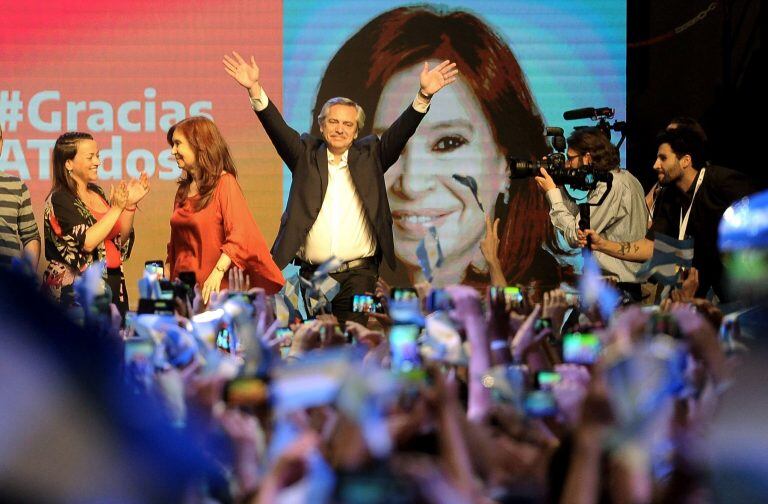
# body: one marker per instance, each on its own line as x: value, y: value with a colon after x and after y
x: 454, y: 138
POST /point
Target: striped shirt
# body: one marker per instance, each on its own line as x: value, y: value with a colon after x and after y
x: 17, y: 222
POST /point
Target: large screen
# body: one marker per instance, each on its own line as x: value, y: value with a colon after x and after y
x: 125, y: 71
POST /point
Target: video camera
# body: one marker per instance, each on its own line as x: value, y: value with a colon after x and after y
x: 585, y: 178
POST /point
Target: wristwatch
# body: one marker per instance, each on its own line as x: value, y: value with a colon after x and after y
x: 222, y: 270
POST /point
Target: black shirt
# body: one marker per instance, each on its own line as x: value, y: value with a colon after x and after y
x: 719, y: 189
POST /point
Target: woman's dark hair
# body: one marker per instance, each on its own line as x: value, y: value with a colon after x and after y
x: 211, y: 157
x: 605, y: 156
x: 65, y: 149
x: 406, y: 36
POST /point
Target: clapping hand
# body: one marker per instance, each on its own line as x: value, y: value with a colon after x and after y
x: 137, y: 189
x: 118, y: 196
x: 432, y: 81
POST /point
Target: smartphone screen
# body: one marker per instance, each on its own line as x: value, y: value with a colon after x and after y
x: 130, y: 320
x: 513, y: 295
x: 162, y: 306
x: 225, y: 340
x: 572, y: 299
x: 581, y: 348
x: 166, y: 289
x: 139, y: 349
x: 155, y: 267
x: 283, y: 332
x: 541, y: 324
x: 439, y: 300
x: 540, y: 403
x: 403, y: 294
x: 546, y: 379
x: 404, y: 348
x: 245, y: 392
x: 365, y: 303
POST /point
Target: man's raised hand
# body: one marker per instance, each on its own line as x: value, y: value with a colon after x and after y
x: 432, y: 81
x: 246, y: 74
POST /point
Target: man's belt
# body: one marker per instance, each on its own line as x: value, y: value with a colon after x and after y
x: 308, y: 269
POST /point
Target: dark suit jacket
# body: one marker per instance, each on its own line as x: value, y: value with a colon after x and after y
x: 307, y: 158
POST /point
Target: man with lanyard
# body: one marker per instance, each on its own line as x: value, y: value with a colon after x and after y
x: 678, y: 121
x: 691, y: 203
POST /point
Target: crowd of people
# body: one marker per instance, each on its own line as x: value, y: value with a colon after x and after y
x: 443, y: 395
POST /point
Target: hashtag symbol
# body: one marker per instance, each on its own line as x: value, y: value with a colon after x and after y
x: 10, y: 109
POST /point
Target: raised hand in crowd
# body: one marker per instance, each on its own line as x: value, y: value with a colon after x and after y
x: 362, y: 334
x: 553, y: 308
x: 306, y: 337
x: 688, y: 289
x: 468, y: 313
x: 526, y: 335
x: 499, y: 329
x: 489, y: 246
x: 569, y: 395
x: 249, y: 447
x: 239, y: 281
x: 289, y: 468
x: 331, y: 335
x: 574, y: 373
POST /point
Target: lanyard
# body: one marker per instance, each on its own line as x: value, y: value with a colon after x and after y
x: 684, y: 221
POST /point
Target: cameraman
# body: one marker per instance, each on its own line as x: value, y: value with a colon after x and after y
x: 622, y: 216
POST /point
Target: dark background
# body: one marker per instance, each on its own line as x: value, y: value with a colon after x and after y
x: 709, y: 71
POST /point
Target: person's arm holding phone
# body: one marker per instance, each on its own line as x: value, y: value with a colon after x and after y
x: 582, y: 483
x: 248, y: 443
x: 498, y: 328
x: 468, y: 310
x: 454, y: 449
x: 554, y: 308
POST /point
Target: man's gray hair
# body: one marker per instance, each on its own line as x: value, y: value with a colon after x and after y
x: 340, y: 100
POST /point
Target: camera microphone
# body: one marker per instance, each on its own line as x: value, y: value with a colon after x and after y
x: 588, y: 113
